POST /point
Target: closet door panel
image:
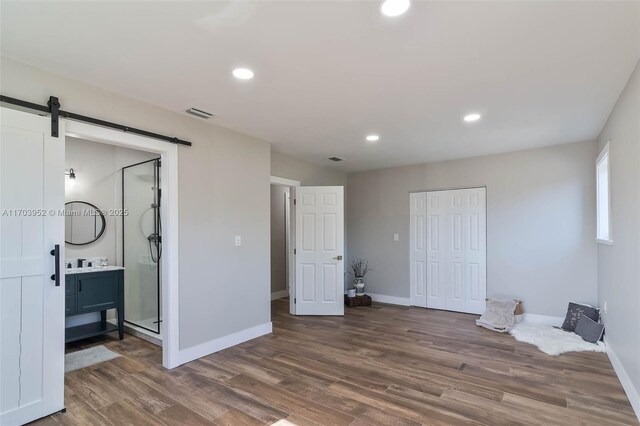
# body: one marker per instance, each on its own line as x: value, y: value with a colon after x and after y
x: 476, y: 251
x: 455, y: 244
x: 418, y: 248
x: 436, y: 253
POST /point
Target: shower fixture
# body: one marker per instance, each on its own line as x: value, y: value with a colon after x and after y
x: 155, y: 239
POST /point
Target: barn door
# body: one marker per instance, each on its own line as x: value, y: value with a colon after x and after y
x: 31, y: 305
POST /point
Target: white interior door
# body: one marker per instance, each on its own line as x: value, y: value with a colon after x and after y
x: 418, y: 248
x: 473, y: 209
x: 453, y: 226
x: 455, y: 250
x: 319, y: 286
x: 436, y: 252
x: 31, y: 306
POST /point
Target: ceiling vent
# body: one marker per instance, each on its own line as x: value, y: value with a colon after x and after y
x: 336, y: 159
x: 200, y: 113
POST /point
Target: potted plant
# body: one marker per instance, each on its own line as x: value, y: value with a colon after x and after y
x: 360, y: 267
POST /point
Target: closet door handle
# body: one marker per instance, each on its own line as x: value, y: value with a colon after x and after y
x: 56, y: 255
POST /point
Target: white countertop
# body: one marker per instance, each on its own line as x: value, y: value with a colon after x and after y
x: 93, y: 269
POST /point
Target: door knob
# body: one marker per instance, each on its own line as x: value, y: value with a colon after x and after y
x: 338, y: 257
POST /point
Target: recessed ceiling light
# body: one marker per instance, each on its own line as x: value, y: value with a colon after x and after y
x: 472, y: 117
x: 395, y: 7
x: 373, y: 138
x: 243, y: 73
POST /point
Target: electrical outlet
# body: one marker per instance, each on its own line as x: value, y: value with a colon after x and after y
x: 396, y: 237
x: 604, y: 308
x: 238, y: 241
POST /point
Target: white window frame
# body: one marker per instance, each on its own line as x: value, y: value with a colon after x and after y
x: 604, y: 154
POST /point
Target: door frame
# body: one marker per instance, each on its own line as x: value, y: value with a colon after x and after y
x: 170, y: 327
x: 290, y: 229
x: 412, y: 283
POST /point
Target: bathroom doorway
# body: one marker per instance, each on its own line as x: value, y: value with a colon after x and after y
x: 164, y: 299
x: 142, y: 246
x: 123, y: 184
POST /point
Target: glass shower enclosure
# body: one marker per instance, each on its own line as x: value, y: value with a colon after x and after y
x: 142, y: 244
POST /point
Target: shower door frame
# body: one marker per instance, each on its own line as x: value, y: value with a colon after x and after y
x: 158, y: 272
x: 172, y: 356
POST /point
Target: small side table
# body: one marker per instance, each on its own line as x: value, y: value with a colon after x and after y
x: 364, y: 300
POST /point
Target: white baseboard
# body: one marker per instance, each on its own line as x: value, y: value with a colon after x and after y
x: 279, y: 294
x: 542, y: 319
x: 221, y: 343
x: 393, y: 300
x: 625, y: 380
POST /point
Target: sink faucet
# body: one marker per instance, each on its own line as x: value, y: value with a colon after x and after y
x: 81, y: 263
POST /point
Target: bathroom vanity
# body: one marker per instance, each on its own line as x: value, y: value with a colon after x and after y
x: 94, y: 289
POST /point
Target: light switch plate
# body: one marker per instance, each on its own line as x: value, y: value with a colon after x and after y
x: 396, y: 237
x: 238, y: 241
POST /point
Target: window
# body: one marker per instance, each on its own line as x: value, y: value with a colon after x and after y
x: 603, y: 166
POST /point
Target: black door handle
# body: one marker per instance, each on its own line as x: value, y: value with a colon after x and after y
x: 56, y: 254
x: 79, y: 285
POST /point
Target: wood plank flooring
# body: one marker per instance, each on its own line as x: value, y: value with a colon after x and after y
x: 378, y: 365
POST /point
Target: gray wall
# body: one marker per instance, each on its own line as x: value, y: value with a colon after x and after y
x: 278, y: 238
x: 619, y: 264
x: 223, y: 289
x: 540, y: 222
x: 98, y: 168
x: 308, y: 174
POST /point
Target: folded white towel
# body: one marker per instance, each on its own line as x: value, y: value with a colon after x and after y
x: 498, y: 315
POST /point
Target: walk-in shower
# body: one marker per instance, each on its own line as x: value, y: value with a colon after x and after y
x: 142, y: 244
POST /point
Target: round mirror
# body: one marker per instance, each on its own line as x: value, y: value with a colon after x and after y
x: 84, y: 223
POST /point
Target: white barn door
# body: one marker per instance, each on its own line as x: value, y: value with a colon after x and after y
x: 455, y: 250
x: 31, y: 306
x: 319, y: 285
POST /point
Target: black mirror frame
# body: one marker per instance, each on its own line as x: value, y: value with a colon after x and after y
x: 104, y: 222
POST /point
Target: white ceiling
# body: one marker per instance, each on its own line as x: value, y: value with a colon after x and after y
x: 329, y: 73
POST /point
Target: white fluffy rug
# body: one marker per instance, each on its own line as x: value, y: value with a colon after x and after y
x: 553, y: 341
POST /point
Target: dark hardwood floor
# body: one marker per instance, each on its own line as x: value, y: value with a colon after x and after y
x: 383, y: 365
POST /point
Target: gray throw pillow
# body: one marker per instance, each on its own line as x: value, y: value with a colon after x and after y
x: 575, y: 311
x: 589, y: 330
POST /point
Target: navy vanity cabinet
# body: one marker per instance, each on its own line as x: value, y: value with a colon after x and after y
x: 70, y: 295
x: 94, y: 292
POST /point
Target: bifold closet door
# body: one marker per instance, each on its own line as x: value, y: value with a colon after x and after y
x: 465, y: 233
x: 418, y: 248
x: 448, y: 248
